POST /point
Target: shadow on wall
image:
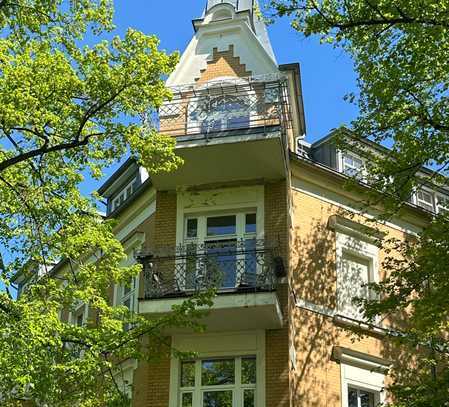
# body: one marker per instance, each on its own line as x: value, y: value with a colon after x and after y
x: 316, y: 378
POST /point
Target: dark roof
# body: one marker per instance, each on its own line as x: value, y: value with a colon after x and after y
x: 110, y: 181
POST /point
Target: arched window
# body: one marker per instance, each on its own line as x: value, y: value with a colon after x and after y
x: 220, y: 113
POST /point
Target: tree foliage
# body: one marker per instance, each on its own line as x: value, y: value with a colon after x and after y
x: 399, y: 49
x: 68, y: 110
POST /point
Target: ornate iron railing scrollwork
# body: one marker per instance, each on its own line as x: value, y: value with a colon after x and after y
x: 227, y: 266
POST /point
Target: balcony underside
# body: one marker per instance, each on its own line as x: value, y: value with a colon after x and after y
x: 227, y: 157
x: 231, y: 311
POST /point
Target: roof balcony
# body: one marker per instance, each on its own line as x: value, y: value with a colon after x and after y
x: 243, y: 273
x: 227, y: 130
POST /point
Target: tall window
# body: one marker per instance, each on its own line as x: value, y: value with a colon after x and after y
x: 356, y: 267
x: 221, y: 250
x: 127, y: 296
x: 224, y: 382
x: 79, y: 315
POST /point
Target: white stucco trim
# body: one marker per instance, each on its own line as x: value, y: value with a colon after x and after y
x: 359, y: 373
x: 224, y: 200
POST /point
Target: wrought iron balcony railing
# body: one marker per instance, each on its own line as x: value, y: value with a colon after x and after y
x: 227, y: 266
x: 256, y: 104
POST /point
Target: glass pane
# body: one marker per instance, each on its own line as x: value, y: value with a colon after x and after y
x: 249, y: 398
x: 221, y: 225
x: 217, y: 372
x: 352, y: 398
x: 187, y: 399
x: 217, y: 398
x: 79, y: 320
x: 366, y: 399
x: 250, y: 226
x: 221, y: 262
x: 187, y: 374
x: 249, y: 370
x: 192, y: 227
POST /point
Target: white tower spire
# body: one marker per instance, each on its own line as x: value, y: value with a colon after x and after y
x: 248, y: 6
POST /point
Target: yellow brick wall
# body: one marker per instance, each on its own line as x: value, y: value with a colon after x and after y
x: 152, y: 380
x: 151, y: 386
x: 276, y: 365
x: 316, y: 381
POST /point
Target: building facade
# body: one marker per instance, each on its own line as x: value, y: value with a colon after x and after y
x: 262, y: 216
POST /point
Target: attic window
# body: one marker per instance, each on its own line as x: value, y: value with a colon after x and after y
x: 123, y: 195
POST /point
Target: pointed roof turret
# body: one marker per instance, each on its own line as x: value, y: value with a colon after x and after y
x: 242, y: 6
x: 230, y: 40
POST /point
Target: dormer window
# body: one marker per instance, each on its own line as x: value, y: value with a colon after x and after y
x: 442, y: 204
x: 425, y: 199
x: 352, y: 166
x: 123, y: 195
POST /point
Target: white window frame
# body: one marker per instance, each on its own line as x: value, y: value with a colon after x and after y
x: 123, y: 195
x: 426, y: 206
x: 73, y: 315
x: 220, y: 345
x: 237, y: 388
x: 441, y: 207
x: 362, y: 375
x: 132, y: 245
x: 202, y: 237
x: 341, y: 164
x: 357, y: 248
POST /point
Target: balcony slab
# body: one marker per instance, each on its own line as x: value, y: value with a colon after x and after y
x: 236, y: 311
x: 226, y: 158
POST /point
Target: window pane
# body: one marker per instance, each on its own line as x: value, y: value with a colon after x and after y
x: 187, y: 400
x: 192, y: 227
x: 352, y: 398
x: 249, y: 370
x: 355, y: 273
x: 366, y: 399
x: 79, y: 320
x: 217, y: 372
x: 217, y: 398
x: 188, y: 374
x: 221, y: 225
x: 249, y: 398
x: 221, y: 263
x: 250, y: 226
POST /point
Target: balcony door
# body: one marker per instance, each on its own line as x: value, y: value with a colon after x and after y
x: 220, y: 250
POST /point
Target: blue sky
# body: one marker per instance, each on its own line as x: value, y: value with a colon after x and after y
x: 327, y: 73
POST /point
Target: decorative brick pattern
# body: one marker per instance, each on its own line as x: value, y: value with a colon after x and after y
x: 223, y: 63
